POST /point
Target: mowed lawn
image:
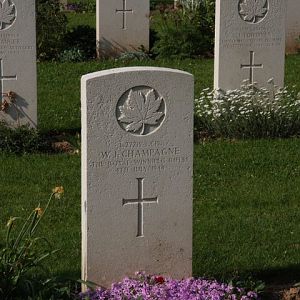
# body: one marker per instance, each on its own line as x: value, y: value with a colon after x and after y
x: 246, y: 193
x: 59, y: 85
x: 246, y: 209
x: 246, y: 206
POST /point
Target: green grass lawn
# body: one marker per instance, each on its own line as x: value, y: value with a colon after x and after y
x: 76, y: 19
x: 59, y: 85
x: 246, y: 193
x: 246, y: 212
x: 26, y: 182
x: 246, y: 207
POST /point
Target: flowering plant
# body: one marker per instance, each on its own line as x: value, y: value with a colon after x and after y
x: 250, y: 111
x: 21, y: 253
x: 159, y: 288
x: 192, y: 4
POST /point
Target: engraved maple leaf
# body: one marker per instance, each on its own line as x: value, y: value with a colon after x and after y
x: 251, y: 9
x: 7, y: 13
x: 140, y: 109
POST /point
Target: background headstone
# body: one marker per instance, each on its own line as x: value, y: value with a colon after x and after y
x: 122, y: 26
x: 293, y: 26
x: 250, y: 42
x: 137, y: 161
x: 18, y: 61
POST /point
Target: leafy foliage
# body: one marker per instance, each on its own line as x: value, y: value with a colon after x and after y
x: 249, y: 283
x: 51, y: 29
x: 183, y: 33
x: 155, y: 3
x: 72, y: 55
x: 22, y: 140
x: 21, y: 255
x: 26, y: 140
x: 82, y: 40
x: 133, y: 56
x: 190, y: 4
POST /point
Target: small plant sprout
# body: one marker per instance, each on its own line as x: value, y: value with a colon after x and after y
x: 24, y: 252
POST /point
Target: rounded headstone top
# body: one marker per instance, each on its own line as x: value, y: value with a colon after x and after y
x: 131, y: 70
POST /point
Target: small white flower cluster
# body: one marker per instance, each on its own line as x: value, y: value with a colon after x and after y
x: 189, y: 4
x: 249, y: 111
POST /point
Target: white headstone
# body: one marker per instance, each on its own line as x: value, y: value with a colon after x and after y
x: 122, y: 26
x: 250, y: 42
x: 137, y: 161
x: 18, y: 61
x: 293, y: 26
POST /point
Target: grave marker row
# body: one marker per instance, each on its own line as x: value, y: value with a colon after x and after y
x: 137, y: 127
x: 137, y: 143
x: 254, y: 28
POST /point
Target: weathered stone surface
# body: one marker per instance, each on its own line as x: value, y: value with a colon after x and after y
x: 122, y: 26
x: 250, y: 42
x: 18, y: 61
x: 293, y: 26
x: 137, y: 160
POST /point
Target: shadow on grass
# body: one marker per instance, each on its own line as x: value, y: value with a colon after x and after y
x: 288, y: 275
x: 67, y: 132
x: 69, y: 275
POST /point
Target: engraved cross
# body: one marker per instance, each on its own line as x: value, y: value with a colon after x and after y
x: 124, y: 11
x: 140, y: 201
x: 2, y: 77
x: 252, y: 66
